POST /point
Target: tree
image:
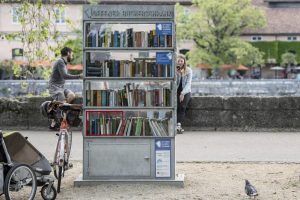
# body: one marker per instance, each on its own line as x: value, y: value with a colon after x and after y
x: 76, y: 45
x: 215, y: 29
x: 288, y: 58
x: 39, y: 33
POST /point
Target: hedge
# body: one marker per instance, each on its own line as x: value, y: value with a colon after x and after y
x: 275, y: 49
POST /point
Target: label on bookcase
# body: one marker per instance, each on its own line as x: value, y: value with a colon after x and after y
x: 164, y: 58
x: 121, y: 11
x: 163, y: 158
x: 164, y: 29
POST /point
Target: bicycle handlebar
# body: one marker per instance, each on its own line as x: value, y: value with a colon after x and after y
x: 64, y: 106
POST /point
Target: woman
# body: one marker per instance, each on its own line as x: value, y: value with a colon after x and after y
x: 184, y: 82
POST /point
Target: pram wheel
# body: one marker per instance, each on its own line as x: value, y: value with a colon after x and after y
x: 20, y: 183
x: 48, y: 194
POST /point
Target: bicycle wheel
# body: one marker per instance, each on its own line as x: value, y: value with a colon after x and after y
x: 59, y: 177
x: 20, y: 183
x: 48, y: 194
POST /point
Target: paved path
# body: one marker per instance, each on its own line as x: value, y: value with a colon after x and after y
x: 203, y: 146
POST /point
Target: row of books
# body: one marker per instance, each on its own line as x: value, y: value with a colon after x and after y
x: 101, y: 125
x: 123, y: 68
x: 128, y: 38
x: 129, y: 97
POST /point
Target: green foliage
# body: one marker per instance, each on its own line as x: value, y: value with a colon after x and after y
x: 244, y: 53
x: 284, y: 47
x: 76, y: 45
x: 94, y: 1
x: 17, y: 71
x: 288, y: 58
x: 29, y: 95
x: 45, y: 93
x: 38, y: 29
x: 275, y: 49
x: 46, y: 73
x: 215, y: 29
x: 270, y: 49
x: 6, y: 65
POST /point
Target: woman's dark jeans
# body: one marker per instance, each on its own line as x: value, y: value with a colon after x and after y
x: 181, y: 107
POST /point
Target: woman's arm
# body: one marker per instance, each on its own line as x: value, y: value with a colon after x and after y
x: 188, y: 86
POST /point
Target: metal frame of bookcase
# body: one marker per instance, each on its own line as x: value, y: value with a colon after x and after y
x: 101, y: 153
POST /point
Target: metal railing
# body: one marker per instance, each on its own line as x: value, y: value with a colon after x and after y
x: 246, y: 87
x: 13, y: 88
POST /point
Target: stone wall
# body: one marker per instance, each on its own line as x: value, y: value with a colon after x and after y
x: 23, y: 113
x: 204, y: 113
x: 243, y: 113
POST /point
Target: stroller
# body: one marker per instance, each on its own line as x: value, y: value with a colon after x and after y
x: 22, y: 169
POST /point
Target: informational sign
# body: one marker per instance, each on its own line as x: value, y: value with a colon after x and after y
x: 164, y: 29
x: 163, y: 158
x: 164, y: 58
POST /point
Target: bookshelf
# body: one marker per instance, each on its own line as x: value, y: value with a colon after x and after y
x: 129, y: 93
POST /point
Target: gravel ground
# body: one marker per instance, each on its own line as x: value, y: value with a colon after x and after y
x: 203, y: 181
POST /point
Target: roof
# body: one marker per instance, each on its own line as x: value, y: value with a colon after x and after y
x: 280, y: 20
x: 281, y: 1
x: 183, y: 2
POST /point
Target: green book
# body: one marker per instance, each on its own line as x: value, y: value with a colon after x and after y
x: 138, y: 128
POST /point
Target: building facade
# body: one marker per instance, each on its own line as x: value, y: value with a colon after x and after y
x: 283, y: 22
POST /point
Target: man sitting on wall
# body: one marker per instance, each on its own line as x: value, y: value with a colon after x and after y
x: 57, y: 81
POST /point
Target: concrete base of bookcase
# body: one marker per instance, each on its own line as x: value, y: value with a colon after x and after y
x: 179, y: 181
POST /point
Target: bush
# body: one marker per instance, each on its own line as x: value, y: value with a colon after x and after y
x: 275, y: 49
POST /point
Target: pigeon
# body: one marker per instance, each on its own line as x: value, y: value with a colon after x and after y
x: 250, y: 189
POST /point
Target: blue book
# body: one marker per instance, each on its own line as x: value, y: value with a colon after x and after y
x: 116, y: 68
x: 116, y: 39
x: 93, y: 127
x: 162, y: 41
x: 155, y: 41
x: 103, y: 98
x: 154, y: 70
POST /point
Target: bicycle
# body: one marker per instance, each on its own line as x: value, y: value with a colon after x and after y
x: 63, y: 149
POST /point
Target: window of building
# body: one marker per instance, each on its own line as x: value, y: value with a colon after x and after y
x: 17, y: 52
x: 291, y: 38
x: 16, y: 14
x: 256, y: 38
x: 60, y: 15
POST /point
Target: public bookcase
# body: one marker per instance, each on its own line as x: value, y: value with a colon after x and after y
x: 129, y: 55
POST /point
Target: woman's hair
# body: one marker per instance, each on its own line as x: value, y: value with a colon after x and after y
x: 184, y: 58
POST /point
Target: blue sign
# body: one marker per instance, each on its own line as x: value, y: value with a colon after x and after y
x: 162, y: 158
x: 164, y: 29
x: 164, y: 58
x: 162, y: 144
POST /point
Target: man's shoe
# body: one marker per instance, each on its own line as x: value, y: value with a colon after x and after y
x: 54, y: 128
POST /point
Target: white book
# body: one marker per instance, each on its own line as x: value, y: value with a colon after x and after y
x: 121, y: 39
x: 152, y: 128
x: 158, y: 131
x: 119, y: 128
x: 129, y: 127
